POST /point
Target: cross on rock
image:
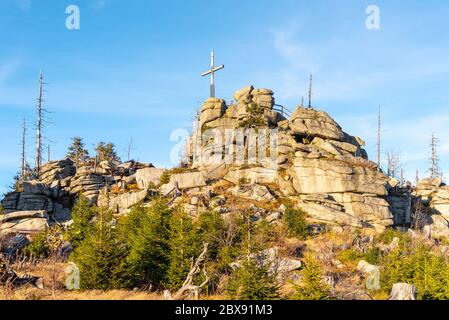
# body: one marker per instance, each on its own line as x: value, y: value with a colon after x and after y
x: 212, y: 71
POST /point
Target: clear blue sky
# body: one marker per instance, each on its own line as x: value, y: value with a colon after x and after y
x: 133, y: 68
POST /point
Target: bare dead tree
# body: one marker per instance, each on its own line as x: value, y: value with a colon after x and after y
x: 310, y: 91
x: 38, y: 162
x: 23, y: 164
x: 434, y: 159
x: 196, y: 268
x: 402, y: 183
x: 393, y: 164
x: 417, y: 178
x: 130, y: 148
x: 42, y: 120
x: 379, y: 124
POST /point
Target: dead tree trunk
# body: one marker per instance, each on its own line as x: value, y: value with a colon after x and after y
x: 434, y: 161
x: 188, y: 285
x: 378, y: 139
x: 23, y: 165
x: 310, y: 92
x: 39, y: 127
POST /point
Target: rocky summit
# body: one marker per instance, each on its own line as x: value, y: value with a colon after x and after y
x: 284, y: 194
x: 315, y: 164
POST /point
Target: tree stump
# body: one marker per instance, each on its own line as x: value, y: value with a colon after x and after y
x: 403, y: 291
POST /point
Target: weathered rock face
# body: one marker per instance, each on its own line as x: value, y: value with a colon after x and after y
x: 123, y: 202
x: 149, y: 176
x: 61, y: 183
x: 316, y: 162
x: 433, y: 196
x: 440, y: 201
x: 309, y: 122
x: 57, y: 170
x: 427, y: 186
x: 23, y: 222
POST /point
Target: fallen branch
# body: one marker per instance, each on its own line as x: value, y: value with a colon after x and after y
x: 188, y: 285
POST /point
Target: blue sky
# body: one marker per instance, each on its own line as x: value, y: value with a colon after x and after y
x: 132, y: 70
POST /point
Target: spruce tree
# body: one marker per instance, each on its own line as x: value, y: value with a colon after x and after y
x: 252, y: 281
x: 313, y: 286
x: 106, y: 152
x: 82, y: 214
x: 101, y: 256
x: 77, y: 152
x: 146, y: 233
x: 185, y: 245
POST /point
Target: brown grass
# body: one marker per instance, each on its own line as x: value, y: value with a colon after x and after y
x: 53, y: 276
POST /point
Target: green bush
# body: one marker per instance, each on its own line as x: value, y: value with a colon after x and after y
x: 146, y: 232
x: 255, y: 118
x: 295, y: 220
x: 185, y: 245
x: 39, y: 246
x: 417, y: 265
x: 82, y: 214
x: 252, y: 282
x: 313, y: 286
x: 101, y: 256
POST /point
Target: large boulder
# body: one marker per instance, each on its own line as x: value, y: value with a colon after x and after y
x: 149, y: 177
x: 122, y: 202
x: 36, y: 188
x: 438, y: 227
x: 336, y: 176
x: 311, y: 123
x: 188, y: 180
x: 440, y: 201
x: 212, y: 109
x: 56, y: 170
x: 24, y: 226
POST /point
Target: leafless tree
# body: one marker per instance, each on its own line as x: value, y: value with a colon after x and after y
x: 42, y: 120
x: 379, y: 124
x: 310, y: 91
x: 196, y: 268
x: 393, y: 164
x: 130, y: 148
x: 23, y: 164
x: 434, y: 159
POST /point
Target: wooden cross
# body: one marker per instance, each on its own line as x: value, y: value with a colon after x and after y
x: 212, y: 71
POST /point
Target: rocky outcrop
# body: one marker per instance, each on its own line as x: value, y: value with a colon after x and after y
x: 440, y: 201
x: 316, y: 162
x: 432, y: 196
x: 23, y: 222
x: 121, y: 203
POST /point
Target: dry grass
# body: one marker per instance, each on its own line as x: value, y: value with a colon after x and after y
x: 53, y: 276
x: 30, y: 293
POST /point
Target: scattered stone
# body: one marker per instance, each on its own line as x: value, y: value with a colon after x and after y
x: 254, y: 192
